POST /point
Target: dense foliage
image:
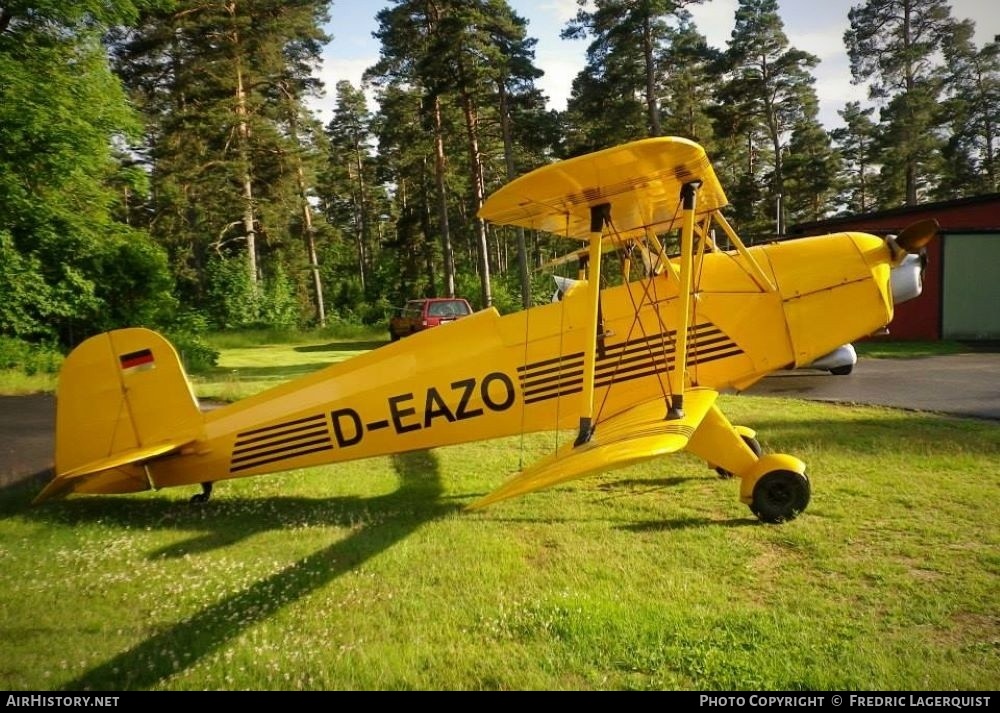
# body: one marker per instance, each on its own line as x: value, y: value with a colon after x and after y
x: 160, y: 165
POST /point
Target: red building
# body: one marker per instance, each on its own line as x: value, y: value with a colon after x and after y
x: 961, y: 296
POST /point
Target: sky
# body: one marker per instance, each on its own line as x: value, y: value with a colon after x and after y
x: 816, y: 26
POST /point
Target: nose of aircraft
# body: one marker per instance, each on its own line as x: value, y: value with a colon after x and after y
x: 906, y: 280
x: 909, y: 259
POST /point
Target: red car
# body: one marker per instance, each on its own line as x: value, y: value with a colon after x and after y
x: 418, y: 315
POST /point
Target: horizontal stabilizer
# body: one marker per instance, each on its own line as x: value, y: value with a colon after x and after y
x: 134, y: 455
x: 635, y: 435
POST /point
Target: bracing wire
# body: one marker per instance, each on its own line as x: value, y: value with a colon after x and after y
x: 650, y: 279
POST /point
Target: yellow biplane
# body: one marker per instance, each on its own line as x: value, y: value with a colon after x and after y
x: 634, y: 369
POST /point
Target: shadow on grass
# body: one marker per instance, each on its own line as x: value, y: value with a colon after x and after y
x: 688, y: 523
x: 646, y: 483
x: 263, y: 373
x: 343, y: 346
x: 381, y: 522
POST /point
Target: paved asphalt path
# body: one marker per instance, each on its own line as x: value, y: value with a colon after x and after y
x: 27, y: 426
x: 957, y: 384
x: 961, y: 384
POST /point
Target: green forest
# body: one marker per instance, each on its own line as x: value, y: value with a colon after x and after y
x: 160, y: 164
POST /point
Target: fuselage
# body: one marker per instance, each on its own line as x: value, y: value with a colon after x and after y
x: 489, y: 376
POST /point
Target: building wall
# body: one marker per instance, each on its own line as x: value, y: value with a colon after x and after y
x: 970, y: 299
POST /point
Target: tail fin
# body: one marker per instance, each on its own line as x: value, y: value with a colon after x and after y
x: 122, y: 398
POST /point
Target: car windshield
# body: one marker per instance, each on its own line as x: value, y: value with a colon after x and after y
x: 413, y: 308
x: 451, y: 308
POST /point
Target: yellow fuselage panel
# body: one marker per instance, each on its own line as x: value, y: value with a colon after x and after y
x: 835, y: 289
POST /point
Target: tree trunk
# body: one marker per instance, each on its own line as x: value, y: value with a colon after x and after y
x: 652, y: 106
x: 439, y: 171
x: 476, y: 181
x: 243, y: 134
x: 308, y: 232
x: 360, y: 215
x: 508, y: 155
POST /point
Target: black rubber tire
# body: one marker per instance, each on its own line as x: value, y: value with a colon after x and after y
x: 754, y: 445
x: 779, y: 496
x: 393, y: 337
x: 842, y: 370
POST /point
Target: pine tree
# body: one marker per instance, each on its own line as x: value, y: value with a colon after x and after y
x: 856, y: 143
x: 770, y: 83
x: 622, y: 57
x: 350, y: 175
x: 812, y: 173
x: 892, y: 44
x: 222, y: 86
x: 972, y: 82
x: 407, y: 148
x: 689, y: 66
x: 406, y: 32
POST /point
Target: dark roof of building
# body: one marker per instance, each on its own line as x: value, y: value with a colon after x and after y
x: 974, y: 214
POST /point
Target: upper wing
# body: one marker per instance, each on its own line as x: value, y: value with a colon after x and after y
x: 642, y: 181
x: 635, y: 435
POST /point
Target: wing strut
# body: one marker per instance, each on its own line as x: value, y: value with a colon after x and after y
x: 689, y: 196
x: 599, y: 215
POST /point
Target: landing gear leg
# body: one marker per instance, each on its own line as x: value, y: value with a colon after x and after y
x: 753, y: 444
x: 774, y: 486
x: 204, y: 495
x: 730, y: 450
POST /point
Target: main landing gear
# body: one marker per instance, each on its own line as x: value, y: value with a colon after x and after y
x: 774, y: 486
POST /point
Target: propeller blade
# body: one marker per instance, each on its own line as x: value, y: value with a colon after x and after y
x: 916, y: 236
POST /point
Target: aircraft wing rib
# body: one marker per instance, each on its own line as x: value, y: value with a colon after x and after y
x: 630, y: 437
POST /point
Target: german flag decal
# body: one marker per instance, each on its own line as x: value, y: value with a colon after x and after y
x: 141, y: 360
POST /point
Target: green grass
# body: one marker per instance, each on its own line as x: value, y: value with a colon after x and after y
x: 249, y: 338
x: 247, y: 367
x: 909, y: 350
x: 370, y: 575
x: 14, y: 382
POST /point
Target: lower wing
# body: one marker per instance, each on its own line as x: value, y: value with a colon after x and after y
x: 640, y: 433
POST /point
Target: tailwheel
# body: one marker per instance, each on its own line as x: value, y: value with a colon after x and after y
x: 204, y: 495
x: 753, y: 444
x: 779, y: 496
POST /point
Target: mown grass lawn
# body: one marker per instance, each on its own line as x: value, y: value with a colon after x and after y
x: 370, y: 575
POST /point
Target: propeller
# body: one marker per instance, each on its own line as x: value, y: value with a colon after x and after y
x: 913, y: 240
x: 916, y: 236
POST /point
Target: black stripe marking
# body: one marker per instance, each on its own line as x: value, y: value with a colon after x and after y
x: 257, y: 464
x: 276, y: 426
x: 377, y: 425
x: 557, y: 360
x: 284, y: 452
x: 635, y: 359
x: 245, y: 449
x: 301, y: 431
